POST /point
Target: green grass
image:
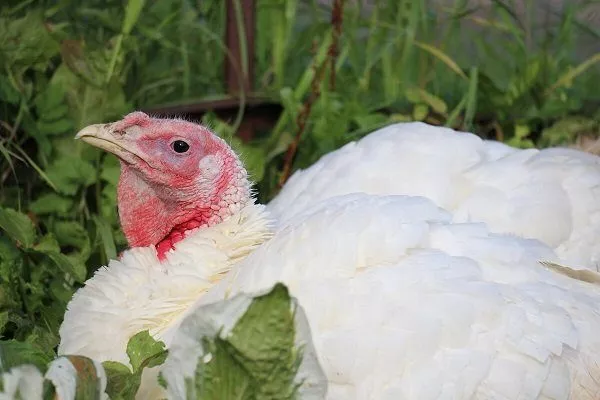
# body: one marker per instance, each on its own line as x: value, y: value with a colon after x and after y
x: 67, y: 64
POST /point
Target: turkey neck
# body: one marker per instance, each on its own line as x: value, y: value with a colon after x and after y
x: 145, y: 217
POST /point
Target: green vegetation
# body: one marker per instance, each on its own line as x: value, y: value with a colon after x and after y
x: 266, y: 354
x: 67, y: 64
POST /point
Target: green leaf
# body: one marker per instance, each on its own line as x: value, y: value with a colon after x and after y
x: 222, y: 377
x: 263, y: 343
x: 520, y: 138
x: 111, y: 170
x: 51, y: 203
x: 108, y: 242
x: 566, y: 130
x: 48, y: 247
x: 49, y: 99
x: 573, y: 72
x: 43, y: 340
x: 121, y: 383
x: 17, y: 226
x: 71, y: 173
x: 61, y: 291
x: 14, y: 353
x: 420, y: 112
x: 71, y: 233
x: 8, y: 92
x: 144, y: 351
x: 132, y: 12
x: 47, y: 243
x: 54, y: 127
x: 418, y: 95
x: 368, y: 121
x: 251, y: 348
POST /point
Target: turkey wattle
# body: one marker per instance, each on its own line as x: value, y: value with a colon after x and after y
x: 403, y: 301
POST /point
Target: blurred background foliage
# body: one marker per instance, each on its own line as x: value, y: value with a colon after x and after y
x: 524, y: 72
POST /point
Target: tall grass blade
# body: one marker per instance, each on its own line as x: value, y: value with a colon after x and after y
x: 443, y: 57
x: 471, y: 106
x: 569, y: 76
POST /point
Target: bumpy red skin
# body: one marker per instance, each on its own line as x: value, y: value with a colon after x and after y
x: 164, y: 194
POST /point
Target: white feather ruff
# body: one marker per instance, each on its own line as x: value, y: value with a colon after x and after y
x: 138, y: 292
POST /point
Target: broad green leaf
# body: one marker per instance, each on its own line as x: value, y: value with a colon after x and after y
x: 55, y: 127
x: 122, y: 384
x: 91, y: 103
x: 262, y: 342
x: 110, y: 169
x: 8, y: 250
x: 71, y: 173
x: 51, y: 203
x: 244, y: 347
x: 43, y: 340
x: 17, y: 226
x: 72, y: 234
x: 61, y: 291
x: 144, y: 351
x: 49, y: 99
x: 221, y: 377
x: 8, y: 92
x: 47, y: 243
x: 14, y: 353
x: 59, y: 112
x: 72, y: 266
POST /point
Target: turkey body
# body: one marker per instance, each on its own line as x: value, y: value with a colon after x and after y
x: 552, y: 195
x: 425, y: 296
x: 405, y: 304
x: 402, y: 302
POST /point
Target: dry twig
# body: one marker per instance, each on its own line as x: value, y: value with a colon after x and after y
x: 319, y: 73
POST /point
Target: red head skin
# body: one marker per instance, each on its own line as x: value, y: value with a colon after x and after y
x: 162, y: 194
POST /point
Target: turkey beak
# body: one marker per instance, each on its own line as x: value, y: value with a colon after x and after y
x: 104, y: 137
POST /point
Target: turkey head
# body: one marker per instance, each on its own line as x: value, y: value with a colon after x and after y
x: 176, y: 177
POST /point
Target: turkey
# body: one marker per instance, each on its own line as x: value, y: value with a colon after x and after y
x: 552, y: 195
x: 404, y: 300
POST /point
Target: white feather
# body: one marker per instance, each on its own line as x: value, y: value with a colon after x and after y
x: 552, y: 195
x: 429, y: 308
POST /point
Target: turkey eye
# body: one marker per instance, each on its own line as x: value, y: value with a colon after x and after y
x: 180, y: 146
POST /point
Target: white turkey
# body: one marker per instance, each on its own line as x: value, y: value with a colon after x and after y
x: 403, y: 302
